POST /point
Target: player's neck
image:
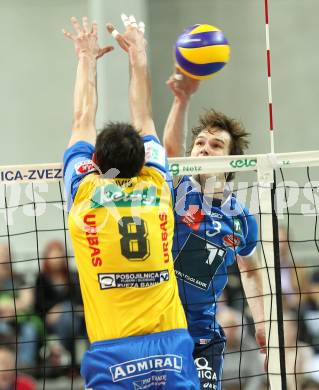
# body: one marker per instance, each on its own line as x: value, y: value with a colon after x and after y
x: 212, y: 185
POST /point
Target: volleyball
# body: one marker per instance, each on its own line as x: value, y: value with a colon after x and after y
x: 201, y: 51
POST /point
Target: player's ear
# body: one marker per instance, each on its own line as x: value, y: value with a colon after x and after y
x: 94, y: 158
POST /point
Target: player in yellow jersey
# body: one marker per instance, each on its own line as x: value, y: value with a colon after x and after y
x: 121, y: 226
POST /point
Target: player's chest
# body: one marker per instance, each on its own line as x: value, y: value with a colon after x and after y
x: 212, y: 225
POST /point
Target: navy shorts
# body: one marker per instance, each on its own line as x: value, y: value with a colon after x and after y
x: 209, y: 361
x: 157, y: 361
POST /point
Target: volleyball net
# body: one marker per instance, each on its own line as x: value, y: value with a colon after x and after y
x: 40, y: 304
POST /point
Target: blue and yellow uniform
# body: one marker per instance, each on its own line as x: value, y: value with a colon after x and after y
x: 209, y: 233
x: 122, y: 234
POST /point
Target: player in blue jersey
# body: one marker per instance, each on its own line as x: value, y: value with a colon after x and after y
x: 121, y: 224
x: 212, y: 230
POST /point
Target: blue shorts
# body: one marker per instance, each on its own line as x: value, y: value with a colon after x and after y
x: 157, y: 361
x: 209, y: 361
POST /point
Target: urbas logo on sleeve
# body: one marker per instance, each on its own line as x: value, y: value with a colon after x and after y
x: 84, y: 167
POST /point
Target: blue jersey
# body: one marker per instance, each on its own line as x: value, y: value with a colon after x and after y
x: 209, y: 233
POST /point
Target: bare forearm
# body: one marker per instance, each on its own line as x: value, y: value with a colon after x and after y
x: 251, y: 277
x: 252, y: 283
x: 140, y: 94
x: 174, y: 138
x: 85, y: 100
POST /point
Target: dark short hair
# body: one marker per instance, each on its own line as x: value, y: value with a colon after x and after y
x: 212, y: 120
x: 120, y: 146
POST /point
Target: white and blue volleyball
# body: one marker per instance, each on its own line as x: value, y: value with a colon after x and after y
x: 201, y: 51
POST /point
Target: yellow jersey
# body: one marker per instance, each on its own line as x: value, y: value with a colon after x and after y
x: 122, y: 234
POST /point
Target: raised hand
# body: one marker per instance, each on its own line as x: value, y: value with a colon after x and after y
x: 133, y: 37
x: 85, y: 39
x: 182, y: 86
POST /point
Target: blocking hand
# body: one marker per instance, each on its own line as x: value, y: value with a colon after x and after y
x: 85, y: 39
x: 133, y: 37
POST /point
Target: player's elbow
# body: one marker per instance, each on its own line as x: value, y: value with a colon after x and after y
x: 82, y: 119
x: 247, y: 266
x: 170, y: 148
x: 145, y: 125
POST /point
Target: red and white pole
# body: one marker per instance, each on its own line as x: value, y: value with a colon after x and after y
x: 271, y: 123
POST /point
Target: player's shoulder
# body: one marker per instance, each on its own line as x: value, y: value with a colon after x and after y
x: 155, y: 155
x: 244, y: 222
x: 151, y: 175
x: 78, y: 163
x: 156, y: 163
x: 81, y: 148
x: 186, y: 189
x: 188, y: 182
x: 239, y: 207
x: 237, y: 210
x: 86, y: 187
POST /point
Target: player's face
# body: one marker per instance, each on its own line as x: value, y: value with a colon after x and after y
x: 211, y: 143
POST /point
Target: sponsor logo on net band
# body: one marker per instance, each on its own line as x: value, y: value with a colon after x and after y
x: 20, y: 175
x: 178, y: 170
x: 143, y: 366
x: 249, y: 162
x: 244, y: 163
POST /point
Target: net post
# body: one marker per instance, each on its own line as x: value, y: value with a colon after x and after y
x: 280, y: 321
x: 270, y: 106
x: 270, y: 270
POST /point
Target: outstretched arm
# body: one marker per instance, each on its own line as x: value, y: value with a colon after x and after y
x: 85, y: 96
x: 176, y: 127
x: 134, y: 43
